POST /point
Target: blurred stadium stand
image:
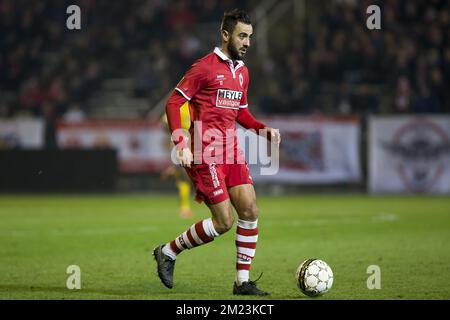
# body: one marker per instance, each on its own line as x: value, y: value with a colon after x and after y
x: 309, y: 57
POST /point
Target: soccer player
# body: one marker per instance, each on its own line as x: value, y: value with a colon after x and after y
x: 216, y: 88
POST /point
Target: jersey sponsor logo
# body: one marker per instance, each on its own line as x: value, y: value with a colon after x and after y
x: 181, y: 240
x: 244, y: 257
x: 228, y: 98
x: 214, y: 177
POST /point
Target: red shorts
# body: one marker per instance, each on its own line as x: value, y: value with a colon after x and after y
x: 211, y: 181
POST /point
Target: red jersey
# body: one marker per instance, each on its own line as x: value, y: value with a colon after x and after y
x: 217, y: 91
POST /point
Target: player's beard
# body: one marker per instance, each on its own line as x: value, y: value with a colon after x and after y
x: 234, y: 52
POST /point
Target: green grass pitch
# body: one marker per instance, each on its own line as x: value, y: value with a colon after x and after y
x: 110, y: 239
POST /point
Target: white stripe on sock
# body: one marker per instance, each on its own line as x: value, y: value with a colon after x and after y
x: 247, y: 224
x: 195, y: 236
x: 246, y: 238
x: 167, y: 250
x: 209, y: 228
x: 177, y: 242
x: 242, y: 276
x: 186, y: 240
x: 246, y: 251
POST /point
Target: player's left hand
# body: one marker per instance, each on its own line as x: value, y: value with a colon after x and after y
x: 274, y: 135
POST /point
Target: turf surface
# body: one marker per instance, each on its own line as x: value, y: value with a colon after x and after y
x: 110, y: 237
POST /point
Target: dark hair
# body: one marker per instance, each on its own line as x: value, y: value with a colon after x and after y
x: 231, y: 18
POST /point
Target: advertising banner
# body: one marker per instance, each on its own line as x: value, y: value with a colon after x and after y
x: 21, y: 133
x: 313, y: 150
x: 409, y: 154
x: 142, y: 145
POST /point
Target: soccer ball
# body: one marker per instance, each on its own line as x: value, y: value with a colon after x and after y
x: 314, y: 277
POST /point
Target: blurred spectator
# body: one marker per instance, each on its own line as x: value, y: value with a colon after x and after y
x: 32, y: 96
x: 74, y: 114
x: 50, y: 116
x: 403, y: 95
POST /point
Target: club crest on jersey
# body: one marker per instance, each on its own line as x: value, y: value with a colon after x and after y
x: 228, y: 98
x: 221, y: 78
x: 241, y: 79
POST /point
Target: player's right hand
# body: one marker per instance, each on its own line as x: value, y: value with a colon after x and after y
x: 185, y: 157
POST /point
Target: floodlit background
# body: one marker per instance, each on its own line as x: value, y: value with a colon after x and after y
x: 364, y: 172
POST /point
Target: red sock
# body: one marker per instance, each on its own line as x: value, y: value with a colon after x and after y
x: 199, y: 233
x: 246, y: 239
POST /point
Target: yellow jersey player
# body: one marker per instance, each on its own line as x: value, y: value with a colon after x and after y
x: 181, y: 179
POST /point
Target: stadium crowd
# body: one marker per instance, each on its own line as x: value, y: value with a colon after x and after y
x: 405, y: 65
x: 329, y: 63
